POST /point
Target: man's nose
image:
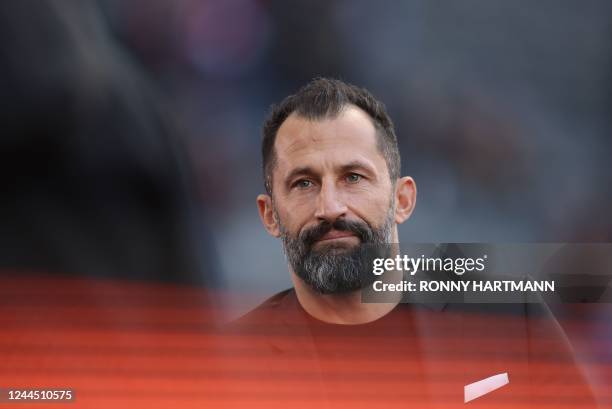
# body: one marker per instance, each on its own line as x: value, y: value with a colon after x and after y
x: 330, y: 204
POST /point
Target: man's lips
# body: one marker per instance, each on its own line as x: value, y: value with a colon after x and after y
x: 335, y: 234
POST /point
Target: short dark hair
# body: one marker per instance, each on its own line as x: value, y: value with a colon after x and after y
x: 326, y: 98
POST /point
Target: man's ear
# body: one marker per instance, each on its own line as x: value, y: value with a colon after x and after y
x: 266, y: 213
x: 405, y: 198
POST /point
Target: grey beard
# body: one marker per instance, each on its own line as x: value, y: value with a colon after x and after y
x: 334, y: 269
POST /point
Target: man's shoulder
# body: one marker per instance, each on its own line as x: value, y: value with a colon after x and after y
x: 268, y: 311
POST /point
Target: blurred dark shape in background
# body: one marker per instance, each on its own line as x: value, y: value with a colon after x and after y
x: 95, y: 179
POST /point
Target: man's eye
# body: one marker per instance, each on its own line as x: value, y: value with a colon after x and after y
x: 303, y: 184
x: 353, y: 178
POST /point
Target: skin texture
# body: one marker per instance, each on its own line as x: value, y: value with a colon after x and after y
x: 325, y: 170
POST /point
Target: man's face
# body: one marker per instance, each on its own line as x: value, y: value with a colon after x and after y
x: 331, y: 196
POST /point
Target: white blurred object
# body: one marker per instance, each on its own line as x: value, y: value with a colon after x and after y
x: 484, y: 386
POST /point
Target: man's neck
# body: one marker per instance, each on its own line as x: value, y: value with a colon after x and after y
x: 345, y: 308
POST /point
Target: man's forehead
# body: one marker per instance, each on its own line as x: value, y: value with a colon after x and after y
x: 352, y: 130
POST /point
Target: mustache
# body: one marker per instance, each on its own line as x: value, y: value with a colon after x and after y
x: 359, y: 229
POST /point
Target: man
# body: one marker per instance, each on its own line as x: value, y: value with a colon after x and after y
x: 332, y: 176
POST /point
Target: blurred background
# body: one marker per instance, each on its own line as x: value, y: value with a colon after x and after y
x: 502, y: 109
x: 131, y: 129
x: 502, y: 112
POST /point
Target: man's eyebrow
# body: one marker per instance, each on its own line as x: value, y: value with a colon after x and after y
x: 303, y: 170
x: 356, y: 164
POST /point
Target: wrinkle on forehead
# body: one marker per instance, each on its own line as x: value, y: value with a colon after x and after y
x: 351, y: 126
